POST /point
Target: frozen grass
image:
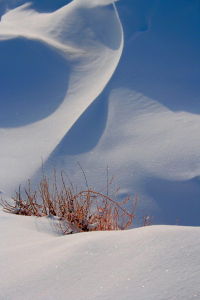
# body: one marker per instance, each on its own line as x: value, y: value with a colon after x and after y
x: 75, y: 211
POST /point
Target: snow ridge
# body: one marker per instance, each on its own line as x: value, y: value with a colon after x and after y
x: 90, y: 39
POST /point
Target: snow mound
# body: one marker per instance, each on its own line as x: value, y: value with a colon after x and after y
x: 159, y: 261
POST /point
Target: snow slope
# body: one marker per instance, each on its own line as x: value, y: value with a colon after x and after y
x: 143, y: 122
x: 158, y: 262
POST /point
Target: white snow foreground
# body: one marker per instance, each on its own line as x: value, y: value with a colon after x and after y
x: 158, y: 262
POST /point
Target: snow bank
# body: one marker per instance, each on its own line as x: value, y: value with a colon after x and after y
x: 158, y: 262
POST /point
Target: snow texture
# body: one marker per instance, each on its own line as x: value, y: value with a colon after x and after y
x: 159, y: 261
x: 76, y: 97
x: 89, y: 42
x: 68, y: 94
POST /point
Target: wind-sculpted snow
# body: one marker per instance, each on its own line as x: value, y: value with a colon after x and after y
x: 145, y: 123
x: 86, y: 39
x: 149, y: 134
x: 146, y: 146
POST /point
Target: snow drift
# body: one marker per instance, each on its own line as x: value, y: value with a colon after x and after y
x: 55, y: 61
x: 148, y: 130
x: 145, y: 121
x: 161, y: 262
x: 87, y: 41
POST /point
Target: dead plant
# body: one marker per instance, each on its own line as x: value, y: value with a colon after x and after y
x: 86, y: 210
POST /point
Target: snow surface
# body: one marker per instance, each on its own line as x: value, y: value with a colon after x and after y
x: 68, y: 94
x: 158, y: 262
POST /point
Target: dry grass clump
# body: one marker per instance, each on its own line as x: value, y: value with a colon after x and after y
x: 86, y: 210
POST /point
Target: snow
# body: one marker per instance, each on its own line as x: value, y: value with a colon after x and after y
x: 92, y: 52
x: 136, y: 111
x: 113, y: 85
x: 159, y: 261
x: 148, y: 129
